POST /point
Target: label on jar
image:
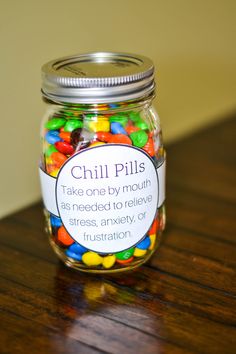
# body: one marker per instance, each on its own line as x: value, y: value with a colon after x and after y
x: 106, y: 196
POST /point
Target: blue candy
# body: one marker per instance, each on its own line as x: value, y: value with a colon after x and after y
x: 116, y: 128
x: 113, y: 105
x: 77, y: 248
x: 144, y: 244
x: 55, y: 221
x: 52, y: 137
x: 76, y: 256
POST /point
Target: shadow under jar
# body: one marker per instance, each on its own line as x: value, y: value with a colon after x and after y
x: 102, y: 166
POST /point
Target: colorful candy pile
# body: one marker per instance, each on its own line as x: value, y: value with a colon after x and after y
x: 77, y: 252
x: 67, y: 133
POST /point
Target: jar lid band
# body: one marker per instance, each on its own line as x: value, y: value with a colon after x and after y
x: 98, y: 78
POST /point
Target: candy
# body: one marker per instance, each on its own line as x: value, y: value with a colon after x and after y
x: 52, y: 136
x: 139, y: 138
x: 125, y: 261
x: 108, y: 261
x: 149, y: 147
x: 131, y: 128
x: 153, y: 228
x: 124, y: 255
x: 134, y: 116
x: 54, y: 172
x: 75, y: 256
x: 144, y: 244
x: 48, y: 161
x: 55, y: 123
x: 72, y: 124
x: 97, y: 143
x: 66, y: 136
x: 55, y: 221
x: 63, y: 138
x: 64, y: 147
x: 58, y: 158
x: 139, y: 253
x: 50, y: 150
x: 77, y: 248
x: 92, y: 259
x: 120, y: 118
x: 116, y: 128
x: 98, y: 126
x: 76, y: 251
x: 141, y: 124
x: 152, y: 241
x: 103, y: 136
x: 120, y: 139
x: 63, y: 237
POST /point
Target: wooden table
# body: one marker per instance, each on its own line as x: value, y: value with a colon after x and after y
x: 183, y: 301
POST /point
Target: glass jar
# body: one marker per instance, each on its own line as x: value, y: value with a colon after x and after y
x: 102, y: 167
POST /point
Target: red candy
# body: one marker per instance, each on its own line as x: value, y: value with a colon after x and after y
x: 58, y: 159
x: 103, y: 136
x: 64, y: 147
x: 120, y: 139
x: 149, y: 147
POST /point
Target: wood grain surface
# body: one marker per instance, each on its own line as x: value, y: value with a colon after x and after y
x: 182, y: 301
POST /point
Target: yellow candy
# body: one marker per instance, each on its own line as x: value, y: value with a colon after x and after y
x: 54, y: 173
x: 139, y: 253
x: 48, y: 160
x: 96, y: 144
x: 102, y: 118
x: 152, y: 239
x: 100, y: 126
x: 92, y: 259
x: 108, y: 261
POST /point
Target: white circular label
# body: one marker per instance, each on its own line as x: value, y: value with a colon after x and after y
x: 107, y: 196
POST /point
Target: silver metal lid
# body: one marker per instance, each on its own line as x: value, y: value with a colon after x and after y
x: 98, y: 78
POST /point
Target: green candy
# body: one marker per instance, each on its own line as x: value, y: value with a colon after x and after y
x: 72, y: 124
x: 139, y: 138
x: 141, y: 124
x: 119, y: 118
x: 124, y: 255
x: 134, y: 116
x: 50, y: 150
x: 91, y: 116
x: 55, y: 123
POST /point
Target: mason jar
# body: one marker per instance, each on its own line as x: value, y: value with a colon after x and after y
x: 102, y: 167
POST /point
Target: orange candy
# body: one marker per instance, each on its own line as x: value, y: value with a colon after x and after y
x: 58, y: 158
x: 63, y: 237
x: 131, y: 128
x: 149, y: 147
x: 103, y: 136
x: 154, y: 227
x: 150, y: 134
x: 125, y: 261
x: 51, y: 168
x: 120, y: 139
x: 65, y: 136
